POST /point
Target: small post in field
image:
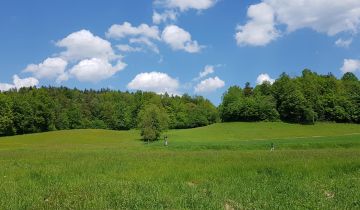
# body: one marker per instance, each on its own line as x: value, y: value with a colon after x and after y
x: 165, y: 140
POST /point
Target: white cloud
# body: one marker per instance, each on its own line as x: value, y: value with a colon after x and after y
x: 84, y: 45
x: 179, y: 39
x: 6, y: 86
x: 343, y: 43
x: 145, y: 42
x: 154, y: 81
x: 19, y: 83
x: 184, y: 5
x: 264, y: 78
x: 51, y: 68
x: 168, y: 15
x: 209, y: 69
x: 209, y: 85
x: 128, y: 48
x: 350, y: 65
x: 126, y: 29
x: 260, y: 29
x: 325, y: 16
x: 95, y: 69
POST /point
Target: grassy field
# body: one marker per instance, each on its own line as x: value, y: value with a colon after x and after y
x: 222, y: 166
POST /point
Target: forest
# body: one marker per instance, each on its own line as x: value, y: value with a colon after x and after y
x: 31, y: 110
x: 304, y: 99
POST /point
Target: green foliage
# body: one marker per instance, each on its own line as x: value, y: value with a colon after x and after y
x: 152, y: 122
x: 31, y: 110
x: 303, y: 99
x: 6, y: 117
x: 247, y: 105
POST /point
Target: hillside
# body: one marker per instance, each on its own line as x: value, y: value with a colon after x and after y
x: 227, y: 165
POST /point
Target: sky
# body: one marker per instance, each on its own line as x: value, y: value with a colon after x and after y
x: 199, y: 47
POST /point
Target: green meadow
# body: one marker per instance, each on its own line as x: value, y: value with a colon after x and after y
x: 222, y: 166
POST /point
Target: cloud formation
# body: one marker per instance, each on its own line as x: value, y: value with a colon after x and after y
x: 184, y: 5
x: 95, y: 69
x: 179, y: 39
x: 156, y: 82
x: 19, y: 83
x: 350, y: 65
x: 264, y: 78
x: 345, y: 43
x: 124, y: 30
x: 85, y: 45
x: 324, y: 16
x: 209, y: 85
x: 50, y: 68
x: 260, y: 29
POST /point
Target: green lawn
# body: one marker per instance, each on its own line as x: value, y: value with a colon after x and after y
x: 221, y: 166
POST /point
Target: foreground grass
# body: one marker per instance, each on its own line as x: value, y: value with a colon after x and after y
x: 215, y: 167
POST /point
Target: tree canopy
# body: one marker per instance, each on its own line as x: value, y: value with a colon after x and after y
x: 31, y: 110
x: 304, y: 99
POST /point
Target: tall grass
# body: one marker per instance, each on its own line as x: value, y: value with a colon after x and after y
x: 216, y: 167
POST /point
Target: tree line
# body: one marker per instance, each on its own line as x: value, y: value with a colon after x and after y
x: 32, y: 110
x: 304, y: 99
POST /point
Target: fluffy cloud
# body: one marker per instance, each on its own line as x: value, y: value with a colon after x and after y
x: 209, y: 85
x: 154, y: 81
x: 184, y: 5
x: 19, y: 83
x: 324, y: 16
x: 179, y: 39
x: 343, y: 43
x: 51, y: 68
x: 350, y: 65
x: 95, y: 69
x: 84, y: 45
x: 126, y: 29
x: 264, y: 78
x: 260, y: 30
x: 168, y: 15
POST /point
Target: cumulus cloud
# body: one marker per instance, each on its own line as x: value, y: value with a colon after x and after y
x: 51, y: 68
x: 345, y: 43
x: 95, y: 69
x: 156, y: 82
x: 184, y: 5
x: 325, y: 16
x: 84, y: 45
x: 179, y: 39
x: 209, y: 85
x: 260, y: 30
x: 19, y: 83
x: 168, y: 15
x: 350, y: 65
x: 264, y: 78
x: 126, y: 29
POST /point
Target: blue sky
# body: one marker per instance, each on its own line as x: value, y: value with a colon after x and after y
x: 122, y: 45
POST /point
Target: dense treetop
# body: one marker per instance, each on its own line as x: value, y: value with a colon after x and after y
x: 304, y: 99
x: 30, y: 110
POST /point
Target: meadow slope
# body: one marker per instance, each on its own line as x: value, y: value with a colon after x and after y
x: 226, y: 165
